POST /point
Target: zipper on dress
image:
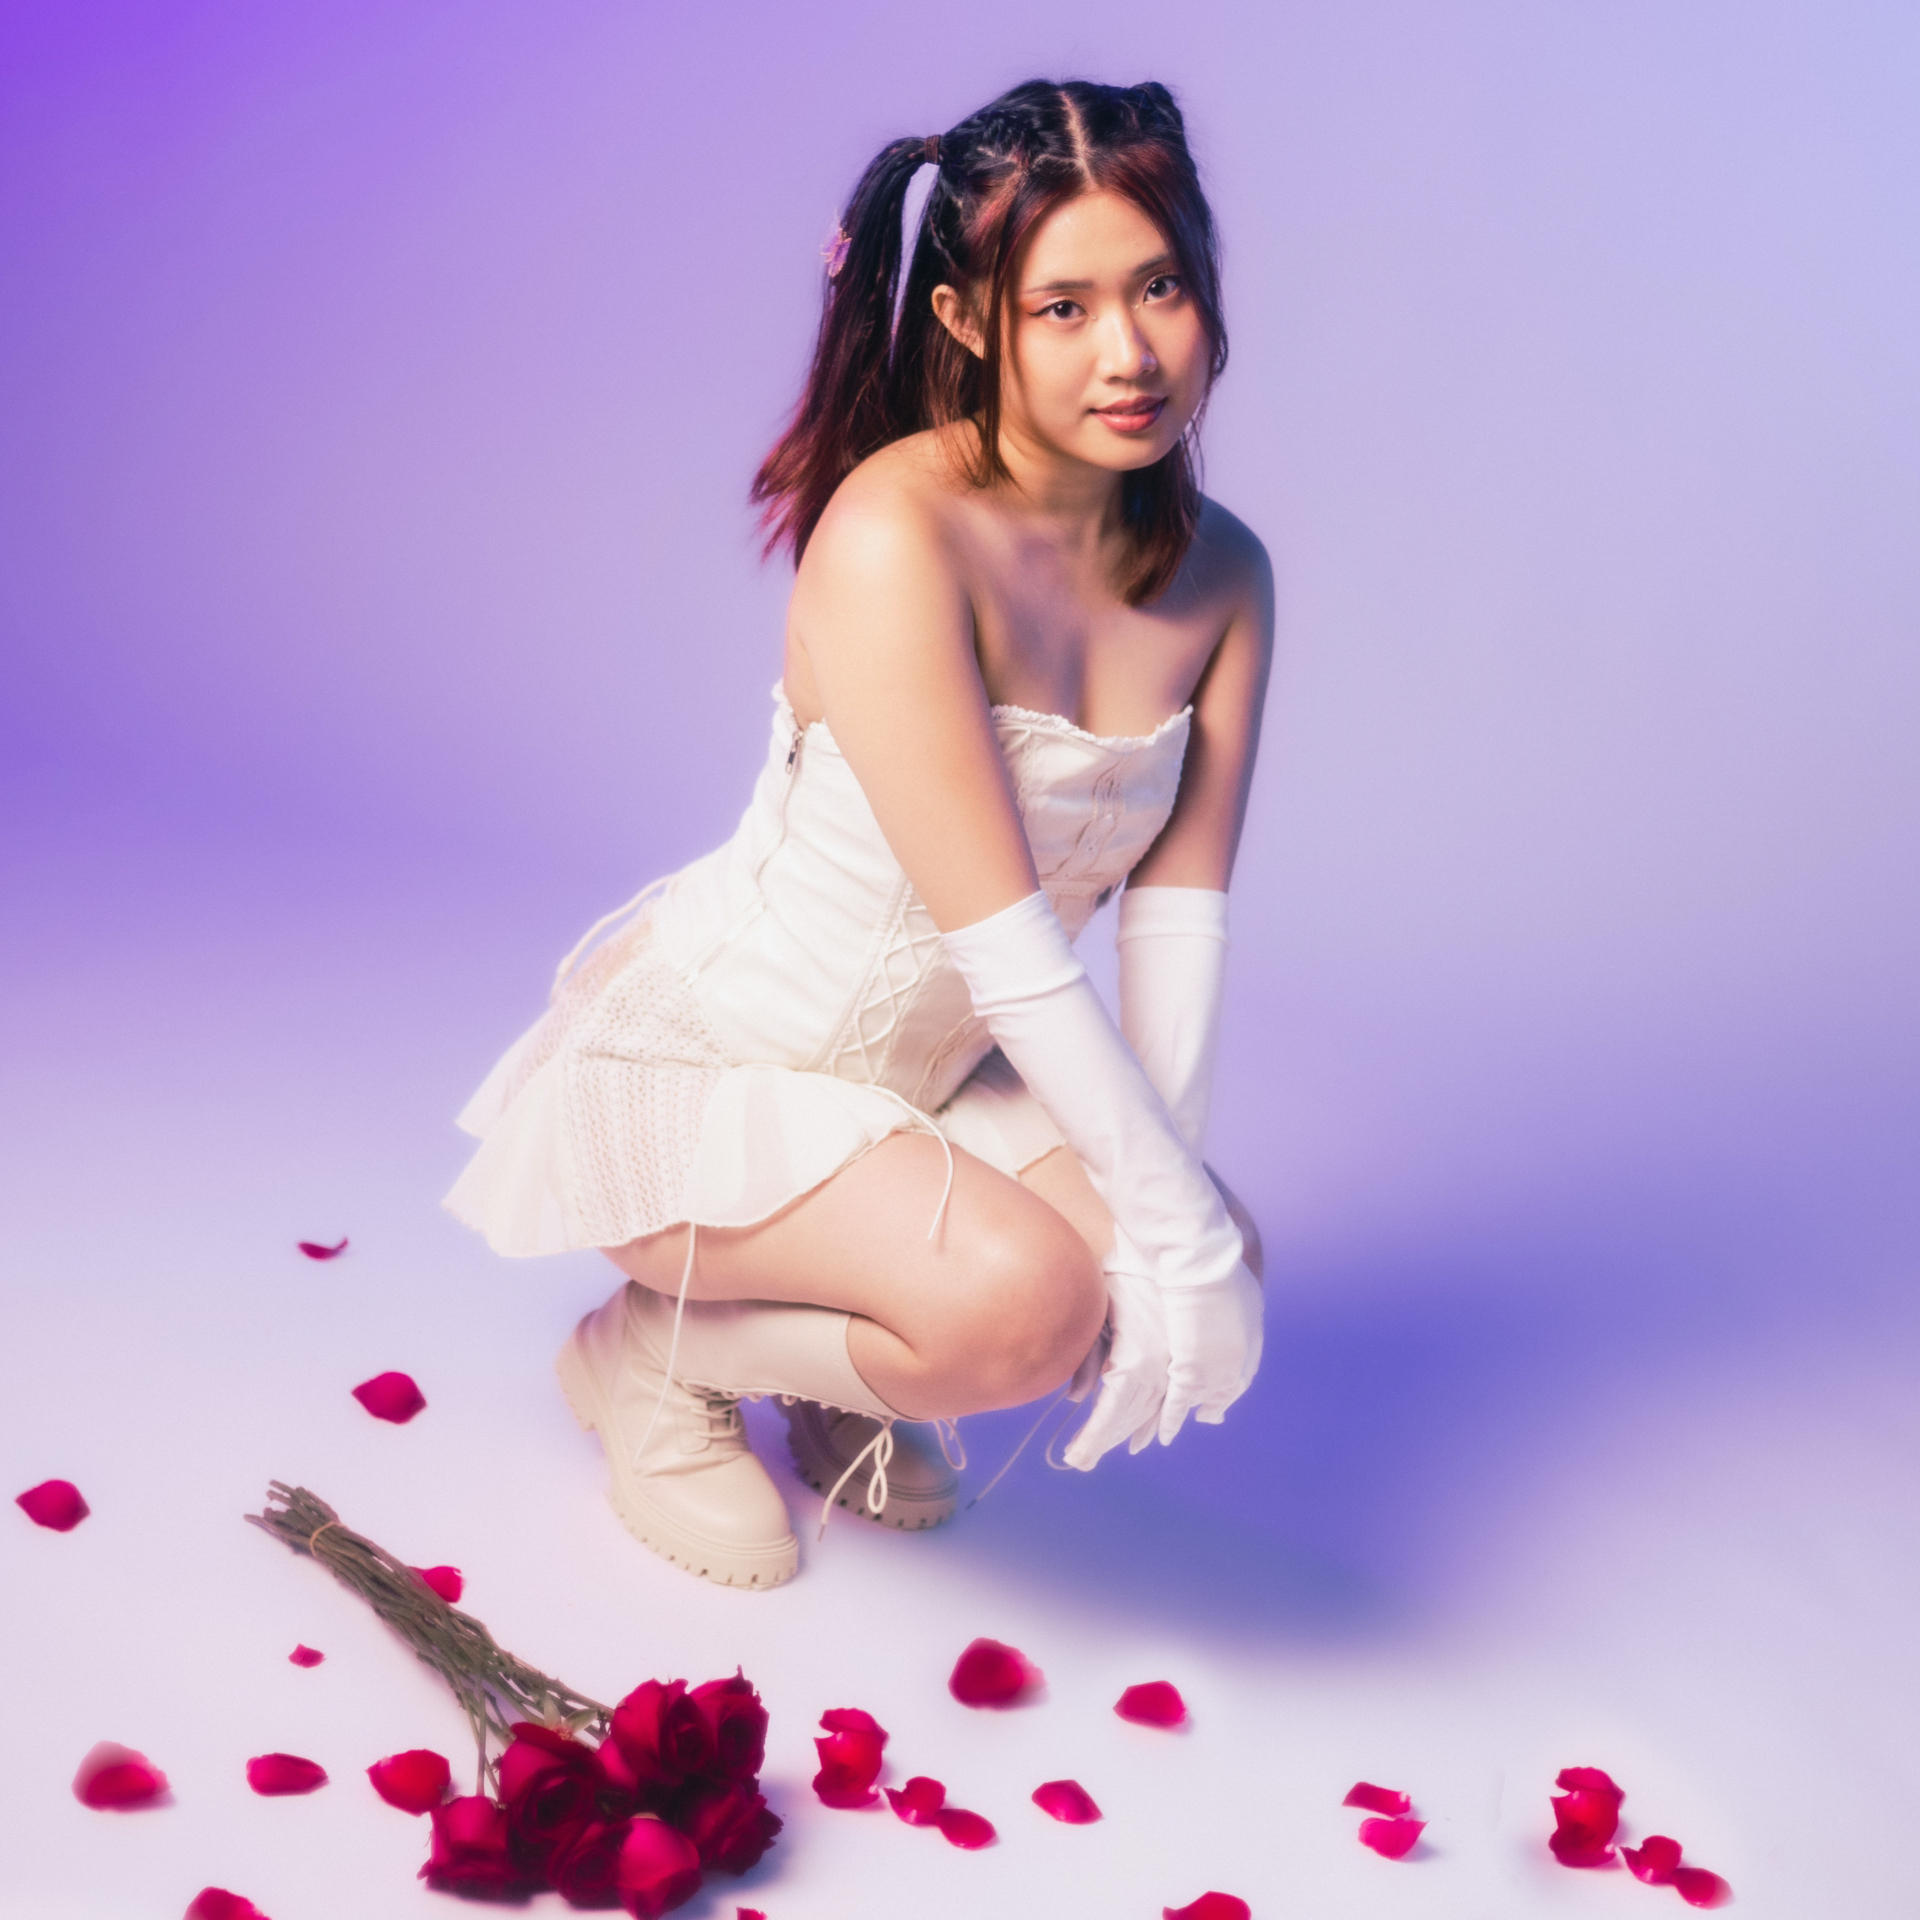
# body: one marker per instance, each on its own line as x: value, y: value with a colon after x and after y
x: 793, y: 752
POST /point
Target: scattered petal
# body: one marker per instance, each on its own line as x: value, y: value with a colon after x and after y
x: 748, y: 1913
x: 315, y: 1251
x: 1068, y: 1801
x: 1391, y: 1839
x: 115, y: 1778
x: 919, y: 1801
x: 55, y: 1504
x: 448, y: 1582
x: 1210, y: 1906
x: 274, y: 1774
x: 391, y: 1396
x: 659, y: 1869
x: 849, y: 1757
x: 1586, y: 1816
x: 216, y: 1903
x: 1699, y: 1888
x: 965, y: 1829
x: 1587, y: 1780
x: 1377, y: 1799
x: 305, y: 1656
x: 415, y: 1781
x: 1653, y: 1860
x: 992, y: 1674
x: 1154, y: 1703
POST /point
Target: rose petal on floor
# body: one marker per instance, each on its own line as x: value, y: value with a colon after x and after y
x: 1653, y: 1860
x: 1377, y: 1799
x: 54, y: 1504
x: 305, y: 1656
x: 274, y: 1774
x: 1699, y: 1888
x: 1066, y: 1800
x: 216, y: 1903
x: 1210, y: 1906
x: 850, y: 1755
x: 919, y: 1801
x: 448, y: 1582
x: 992, y: 1674
x: 116, y: 1779
x: 1391, y: 1839
x: 965, y: 1829
x: 391, y: 1396
x: 415, y: 1781
x: 315, y: 1251
x: 1153, y: 1703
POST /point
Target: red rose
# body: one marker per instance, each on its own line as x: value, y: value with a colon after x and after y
x: 849, y: 1757
x: 737, y: 1725
x: 549, y: 1786
x: 588, y: 1873
x: 470, y: 1851
x: 116, y: 1778
x: 415, y: 1781
x: 658, y: 1869
x: 662, y: 1736
x: 730, y: 1825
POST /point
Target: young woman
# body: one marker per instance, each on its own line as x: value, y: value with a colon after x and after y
x: 838, y: 1099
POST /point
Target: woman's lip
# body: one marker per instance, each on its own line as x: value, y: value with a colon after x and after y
x: 1129, y: 416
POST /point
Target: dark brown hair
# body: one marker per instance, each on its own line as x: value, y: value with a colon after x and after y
x: 999, y: 173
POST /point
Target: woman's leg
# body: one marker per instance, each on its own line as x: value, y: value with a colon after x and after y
x: 997, y: 1308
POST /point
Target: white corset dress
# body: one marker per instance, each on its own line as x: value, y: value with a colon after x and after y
x: 778, y: 1007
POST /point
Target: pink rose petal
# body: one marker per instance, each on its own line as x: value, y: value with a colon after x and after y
x: 216, y: 1903
x: 992, y: 1674
x: 1699, y: 1888
x: 1586, y: 1816
x: 1210, y: 1906
x: 415, y: 1781
x: 391, y: 1396
x: 1392, y: 1839
x: 1377, y: 1799
x: 448, y: 1582
x: 1067, y: 1801
x: 1154, y: 1703
x: 748, y: 1913
x: 274, y: 1774
x: 849, y: 1757
x: 116, y: 1779
x: 965, y: 1829
x: 55, y: 1504
x: 1653, y: 1860
x: 315, y: 1251
x: 305, y: 1656
x: 918, y: 1801
x: 1587, y: 1780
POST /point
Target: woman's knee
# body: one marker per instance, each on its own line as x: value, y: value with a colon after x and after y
x: 1037, y: 1306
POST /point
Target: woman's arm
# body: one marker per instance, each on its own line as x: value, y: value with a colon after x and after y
x: 1196, y: 848
x: 885, y: 627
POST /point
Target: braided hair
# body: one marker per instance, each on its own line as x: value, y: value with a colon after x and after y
x: 999, y: 173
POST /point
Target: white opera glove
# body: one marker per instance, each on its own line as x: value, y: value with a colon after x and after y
x: 1033, y: 993
x: 1133, y: 1359
x: 1173, y: 968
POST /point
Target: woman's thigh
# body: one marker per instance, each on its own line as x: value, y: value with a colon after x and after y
x: 997, y: 1305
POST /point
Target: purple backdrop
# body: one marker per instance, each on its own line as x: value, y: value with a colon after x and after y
x: 379, y: 386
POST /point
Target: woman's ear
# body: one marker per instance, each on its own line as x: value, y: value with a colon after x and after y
x: 956, y: 316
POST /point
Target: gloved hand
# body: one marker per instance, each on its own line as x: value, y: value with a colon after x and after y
x: 1134, y: 1370
x: 1214, y: 1336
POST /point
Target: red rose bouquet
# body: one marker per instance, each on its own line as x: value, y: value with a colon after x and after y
x: 623, y: 1806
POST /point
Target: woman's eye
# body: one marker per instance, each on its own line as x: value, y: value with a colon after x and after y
x: 1162, y: 286
x: 1062, y: 309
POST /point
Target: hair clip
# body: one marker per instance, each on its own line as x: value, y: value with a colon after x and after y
x: 834, y: 253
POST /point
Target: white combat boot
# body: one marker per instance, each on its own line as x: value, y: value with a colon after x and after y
x: 921, y: 1487
x: 690, y: 1488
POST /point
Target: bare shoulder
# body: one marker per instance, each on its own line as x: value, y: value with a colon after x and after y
x: 1229, y: 564
x: 893, y: 510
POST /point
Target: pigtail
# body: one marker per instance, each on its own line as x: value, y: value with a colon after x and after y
x: 845, y: 412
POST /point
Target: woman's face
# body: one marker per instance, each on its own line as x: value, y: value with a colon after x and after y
x: 1106, y: 358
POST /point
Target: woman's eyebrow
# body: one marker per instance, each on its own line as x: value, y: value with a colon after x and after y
x: 1158, y: 261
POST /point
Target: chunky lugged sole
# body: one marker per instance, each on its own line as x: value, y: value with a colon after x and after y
x: 905, y: 1514
x: 726, y: 1565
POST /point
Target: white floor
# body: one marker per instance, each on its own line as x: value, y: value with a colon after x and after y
x: 1564, y: 1501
